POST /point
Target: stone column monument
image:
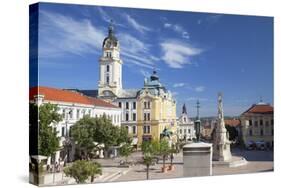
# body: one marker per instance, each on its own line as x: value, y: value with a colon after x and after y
x: 221, y: 143
x: 197, y: 156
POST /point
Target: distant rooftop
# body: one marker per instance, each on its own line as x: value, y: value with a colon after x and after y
x: 72, y: 96
x: 260, y: 108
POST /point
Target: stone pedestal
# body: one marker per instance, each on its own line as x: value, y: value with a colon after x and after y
x: 197, y: 159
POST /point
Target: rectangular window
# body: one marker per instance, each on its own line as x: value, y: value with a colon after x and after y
x: 148, y: 129
x: 62, y: 131
x: 144, y: 116
x: 71, y: 114
x: 256, y: 123
x: 127, y: 105
x: 272, y: 122
x: 250, y: 122
x: 107, y: 68
x: 148, y: 105
x: 134, y: 105
x: 78, y: 114
x: 266, y: 123
x: 120, y: 104
x: 134, y: 117
x: 144, y: 105
x: 261, y: 122
x: 148, y: 116
x: 188, y: 131
x: 250, y: 132
x: 63, y: 113
x: 127, y: 117
x: 134, y: 130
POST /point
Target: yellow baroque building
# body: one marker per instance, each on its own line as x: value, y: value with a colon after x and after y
x: 156, y: 111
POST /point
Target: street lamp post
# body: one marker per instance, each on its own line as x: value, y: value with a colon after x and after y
x: 67, y: 141
x: 197, y: 123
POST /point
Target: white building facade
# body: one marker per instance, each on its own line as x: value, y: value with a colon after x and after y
x: 72, y: 106
x: 186, y: 131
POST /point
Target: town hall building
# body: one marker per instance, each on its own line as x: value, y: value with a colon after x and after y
x: 146, y: 112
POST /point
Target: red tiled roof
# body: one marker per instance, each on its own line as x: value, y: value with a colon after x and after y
x: 53, y: 94
x: 232, y: 122
x: 260, y: 109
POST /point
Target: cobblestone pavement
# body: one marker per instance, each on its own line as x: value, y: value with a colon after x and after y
x: 258, y: 161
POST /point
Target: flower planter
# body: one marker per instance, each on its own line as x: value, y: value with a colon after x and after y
x: 164, y: 170
x: 171, y: 168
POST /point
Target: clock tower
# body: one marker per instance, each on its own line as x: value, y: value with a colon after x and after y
x: 110, y: 81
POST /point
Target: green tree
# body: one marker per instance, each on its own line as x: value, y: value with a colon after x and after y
x: 125, y: 151
x: 148, y: 160
x: 95, y: 169
x: 173, y: 150
x: 123, y: 136
x: 164, y: 150
x: 149, y: 150
x: 48, y: 142
x: 88, y: 131
x: 83, y: 132
x: 81, y: 170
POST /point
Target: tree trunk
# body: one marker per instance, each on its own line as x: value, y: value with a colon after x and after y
x: 147, y: 171
x: 92, y: 179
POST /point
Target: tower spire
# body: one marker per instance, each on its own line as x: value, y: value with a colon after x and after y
x: 184, y: 109
x: 110, y: 28
x: 198, y: 106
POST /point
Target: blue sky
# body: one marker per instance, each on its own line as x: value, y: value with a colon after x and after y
x: 196, y: 55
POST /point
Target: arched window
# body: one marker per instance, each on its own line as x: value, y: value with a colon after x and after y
x: 107, y: 68
x: 107, y: 79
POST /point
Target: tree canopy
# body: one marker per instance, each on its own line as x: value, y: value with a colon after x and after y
x: 88, y: 132
x: 48, y: 142
x: 81, y: 170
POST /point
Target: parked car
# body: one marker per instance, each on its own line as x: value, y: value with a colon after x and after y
x: 261, y: 145
x: 251, y: 145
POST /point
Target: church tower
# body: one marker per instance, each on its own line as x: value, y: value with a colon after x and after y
x: 110, y: 81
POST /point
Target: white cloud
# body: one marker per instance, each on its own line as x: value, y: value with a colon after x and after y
x: 174, y: 93
x: 167, y: 25
x: 136, y: 25
x: 176, y: 54
x: 132, y: 44
x: 68, y: 35
x: 178, y: 29
x: 178, y: 85
x: 144, y: 73
x: 107, y: 18
x: 60, y: 35
x: 200, y: 88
